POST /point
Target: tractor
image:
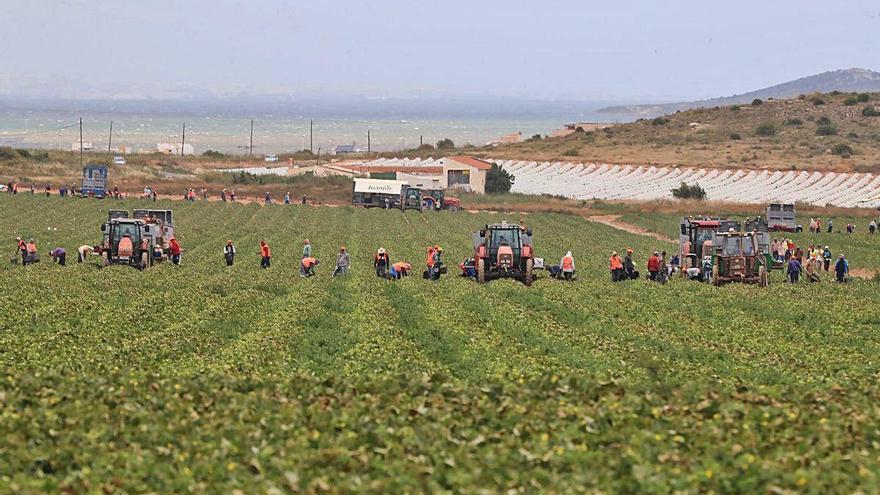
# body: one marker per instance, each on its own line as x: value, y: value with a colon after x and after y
x: 740, y: 257
x: 436, y: 199
x: 139, y: 239
x: 505, y: 251
x: 696, y: 237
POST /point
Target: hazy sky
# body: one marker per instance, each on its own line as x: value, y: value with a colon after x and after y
x: 538, y: 48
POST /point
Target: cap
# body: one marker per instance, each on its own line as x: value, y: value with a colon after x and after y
x: 342, y: 248
x: 381, y: 250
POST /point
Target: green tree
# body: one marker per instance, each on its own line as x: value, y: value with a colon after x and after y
x: 498, y: 180
x: 685, y: 191
x: 445, y: 143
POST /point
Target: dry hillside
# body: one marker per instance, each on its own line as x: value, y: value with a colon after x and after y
x: 837, y: 131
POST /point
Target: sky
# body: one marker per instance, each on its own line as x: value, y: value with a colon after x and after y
x: 546, y: 49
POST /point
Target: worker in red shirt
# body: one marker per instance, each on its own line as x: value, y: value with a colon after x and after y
x: 174, y: 249
x: 654, y: 265
x: 266, y: 254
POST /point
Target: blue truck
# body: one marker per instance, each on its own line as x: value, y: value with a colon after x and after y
x: 94, y: 181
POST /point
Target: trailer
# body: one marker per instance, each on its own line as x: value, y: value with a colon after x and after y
x: 94, y: 181
x: 781, y: 218
x: 378, y: 193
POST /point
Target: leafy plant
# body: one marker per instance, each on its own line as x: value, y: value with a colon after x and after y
x: 826, y: 130
x: 660, y: 121
x: 498, y: 180
x: 445, y: 143
x: 685, y: 191
x: 765, y: 130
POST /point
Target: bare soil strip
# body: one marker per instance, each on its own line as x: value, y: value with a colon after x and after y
x: 615, y: 222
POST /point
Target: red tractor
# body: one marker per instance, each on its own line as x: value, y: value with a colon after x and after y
x: 504, y: 251
x: 436, y: 199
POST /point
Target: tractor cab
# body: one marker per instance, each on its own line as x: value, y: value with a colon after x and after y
x: 411, y: 199
x: 739, y: 257
x: 504, y: 251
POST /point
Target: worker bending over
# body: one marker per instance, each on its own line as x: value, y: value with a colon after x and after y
x: 307, y: 267
x: 399, y: 269
x: 84, y: 251
x: 59, y: 255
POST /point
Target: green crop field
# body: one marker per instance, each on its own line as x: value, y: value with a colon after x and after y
x: 203, y: 378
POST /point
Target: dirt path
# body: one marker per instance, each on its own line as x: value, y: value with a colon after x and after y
x: 615, y: 222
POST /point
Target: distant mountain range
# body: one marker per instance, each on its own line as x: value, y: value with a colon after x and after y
x: 846, y: 80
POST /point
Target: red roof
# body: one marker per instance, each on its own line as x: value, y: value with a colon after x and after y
x: 472, y: 162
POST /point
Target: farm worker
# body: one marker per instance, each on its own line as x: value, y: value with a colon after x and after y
x: 126, y: 247
x: 307, y: 266
x: 399, y: 269
x: 841, y: 269
x: 567, y: 264
x: 826, y: 258
x: 287, y: 198
x: 174, y: 249
x: 810, y: 270
x: 158, y: 255
x: 628, y: 266
x: 342, y: 262
x: 268, y: 198
x: 522, y: 225
x: 31, y: 249
x: 794, y: 270
x: 438, y: 256
x: 872, y: 227
x: 431, y: 261
x: 266, y: 254
x: 48, y: 190
x: 468, y: 268
x: 781, y: 250
x: 223, y: 195
x: 229, y: 252
x: 654, y: 265
x: 59, y: 255
x: 812, y: 225
x: 616, y: 267
x: 145, y: 245
x: 707, y: 268
x: 83, y: 251
x: 307, y: 248
x: 818, y: 225
x: 22, y: 249
x: 830, y: 225
x: 381, y: 262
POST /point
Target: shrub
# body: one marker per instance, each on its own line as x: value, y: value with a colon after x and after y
x: 8, y: 153
x: 685, y: 191
x: 498, y: 180
x: 735, y: 136
x: 817, y: 101
x: 863, y: 97
x: 734, y: 108
x: 835, y: 93
x: 757, y: 102
x: 571, y: 152
x: 870, y: 111
x: 850, y: 101
x: 843, y: 150
x: 660, y: 121
x: 852, y: 135
x: 213, y: 154
x: 23, y: 153
x: 765, y: 130
x: 826, y: 130
x: 445, y: 143
x: 579, y: 129
x: 823, y: 121
x: 536, y: 137
x: 794, y: 122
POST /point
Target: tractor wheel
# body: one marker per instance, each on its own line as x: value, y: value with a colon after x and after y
x: 763, y: 277
x: 715, y: 279
x: 530, y: 265
x: 481, y: 271
x: 453, y: 209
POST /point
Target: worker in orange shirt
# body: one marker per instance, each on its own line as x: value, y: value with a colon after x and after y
x: 307, y: 266
x: 567, y: 265
x: 616, y: 267
x: 431, y: 263
x: 266, y: 254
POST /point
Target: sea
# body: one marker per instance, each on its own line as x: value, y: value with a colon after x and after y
x: 282, y: 125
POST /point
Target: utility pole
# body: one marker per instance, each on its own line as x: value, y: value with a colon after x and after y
x: 311, y: 136
x: 80, y: 141
x: 251, y: 148
x: 110, y: 141
x: 368, y: 141
x: 183, y: 139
